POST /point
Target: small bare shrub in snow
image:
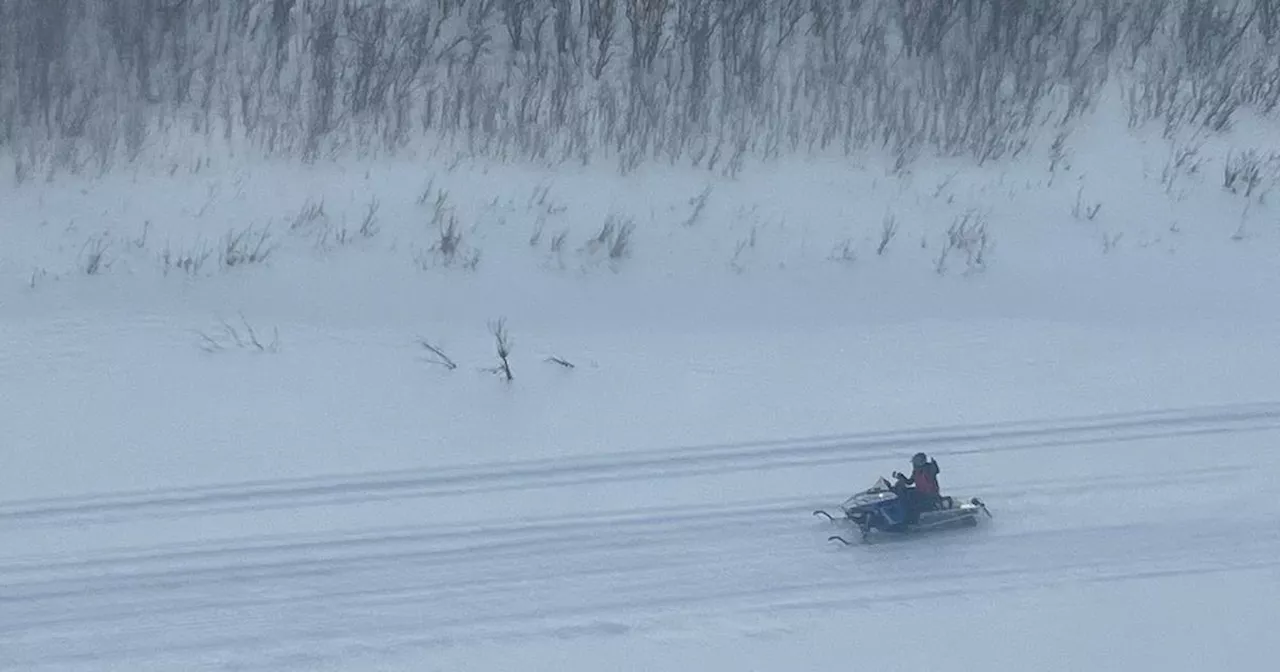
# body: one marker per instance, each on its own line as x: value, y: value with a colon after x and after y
x: 436, y: 355
x: 556, y: 254
x: 968, y: 237
x: 440, y: 207
x: 940, y: 262
x: 189, y: 261
x: 943, y: 186
x: 621, y: 244
x: 613, y: 239
x: 426, y: 192
x: 141, y: 241
x: 228, y: 337
x: 1082, y: 211
x: 557, y: 242
x: 449, y: 246
x: 1184, y: 160
x: 749, y: 243
x: 699, y: 204
x: 844, y: 252
x: 538, y: 227
x: 333, y: 235
x: 449, y: 240
x: 502, y: 340
x: 1242, y: 172
x: 308, y: 215
x: 472, y: 260
x: 1058, y: 153
x: 369, y: 225
x: 94, y: 255
x: 248, y: 246
x: 561, y: 361
x: 1240, y: 233
x: 541, y: 198
x: 540, y: 194
x: 888, y: 229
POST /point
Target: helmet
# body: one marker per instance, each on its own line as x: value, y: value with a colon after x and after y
x: 919, y: 459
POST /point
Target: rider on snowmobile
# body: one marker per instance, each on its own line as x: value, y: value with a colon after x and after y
x: 925, y: 493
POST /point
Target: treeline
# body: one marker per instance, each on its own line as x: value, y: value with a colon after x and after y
x: 85, y: 84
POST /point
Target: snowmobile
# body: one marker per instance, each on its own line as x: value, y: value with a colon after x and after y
x: 882, y: 508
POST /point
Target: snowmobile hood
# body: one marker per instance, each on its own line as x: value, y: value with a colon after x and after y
x: 870, y: 498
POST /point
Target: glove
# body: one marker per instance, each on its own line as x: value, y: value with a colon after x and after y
x: 898, y: 475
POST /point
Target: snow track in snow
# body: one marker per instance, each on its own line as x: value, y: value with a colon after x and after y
x: 241, y: 588
x: 640, y: 465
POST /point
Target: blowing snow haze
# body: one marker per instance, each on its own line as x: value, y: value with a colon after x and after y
x: 355, y: 335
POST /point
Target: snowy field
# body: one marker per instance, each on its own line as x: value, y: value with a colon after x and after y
x: 337, y: 500
x: 496, y: 336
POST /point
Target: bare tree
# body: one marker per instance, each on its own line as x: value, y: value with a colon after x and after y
x: 1268, y: 12
x: 646, y: 19
x: 600, y: 28
x: 324, y: 77
x: 513, y: 13
x: 711, y: 82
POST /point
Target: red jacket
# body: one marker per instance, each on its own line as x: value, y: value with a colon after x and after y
x: 925, y: 478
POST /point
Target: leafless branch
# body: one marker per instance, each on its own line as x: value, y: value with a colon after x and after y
x: 230, y: 337
x: 562, y: 362
x: 438, y: 356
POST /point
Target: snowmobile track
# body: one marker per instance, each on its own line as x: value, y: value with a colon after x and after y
x: 630, y: 466
x: 262, y: 598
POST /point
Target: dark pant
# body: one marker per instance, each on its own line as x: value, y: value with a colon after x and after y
x: 918, y: 502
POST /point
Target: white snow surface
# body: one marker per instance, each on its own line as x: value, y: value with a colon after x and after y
x: 342, y: 503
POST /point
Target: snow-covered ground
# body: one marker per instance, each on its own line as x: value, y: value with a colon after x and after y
x: 1104, y: 380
